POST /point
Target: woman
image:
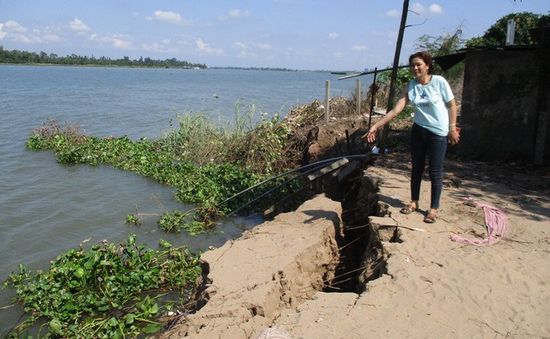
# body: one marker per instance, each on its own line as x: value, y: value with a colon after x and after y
x: 434, y: 126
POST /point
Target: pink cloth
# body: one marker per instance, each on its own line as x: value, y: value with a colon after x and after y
x: 496, y: 222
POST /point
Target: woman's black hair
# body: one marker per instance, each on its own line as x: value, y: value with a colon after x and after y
x: 427, y: 57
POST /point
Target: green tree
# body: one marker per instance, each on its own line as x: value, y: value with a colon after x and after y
x: 496, y: 34
x: 442, y: 45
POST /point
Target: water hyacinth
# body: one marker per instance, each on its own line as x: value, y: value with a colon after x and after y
x: 107, y: 291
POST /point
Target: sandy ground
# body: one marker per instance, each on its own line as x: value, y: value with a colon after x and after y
x: 433, y: 287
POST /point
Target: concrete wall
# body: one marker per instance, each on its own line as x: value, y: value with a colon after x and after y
x: 499, y: 115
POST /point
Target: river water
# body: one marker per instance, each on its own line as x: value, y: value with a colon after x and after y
x: 47, y: 208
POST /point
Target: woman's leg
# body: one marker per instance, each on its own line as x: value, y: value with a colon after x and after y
x: 418, y: 159
x: 437, y: 148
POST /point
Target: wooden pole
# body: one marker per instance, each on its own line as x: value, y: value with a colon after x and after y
x: 327, y: 100
x: 384, y: 137
x: 542, y: 117
x: 358, y: 96
x: 372, y: 97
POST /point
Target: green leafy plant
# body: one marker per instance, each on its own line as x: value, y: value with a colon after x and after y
x: 175, y: 221
x: 104, y: 292
x: 133, y: 219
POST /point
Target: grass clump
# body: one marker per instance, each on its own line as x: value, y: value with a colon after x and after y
x: 260, y: 147
x: 104, y: 292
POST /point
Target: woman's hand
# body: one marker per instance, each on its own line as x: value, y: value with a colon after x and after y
x: 454, y: 135
x: 371, y: 134
x: 399, y: 105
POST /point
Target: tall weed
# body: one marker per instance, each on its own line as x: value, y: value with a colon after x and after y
x: 259, y: 147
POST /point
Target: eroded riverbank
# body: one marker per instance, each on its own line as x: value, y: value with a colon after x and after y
x: 430, y: 287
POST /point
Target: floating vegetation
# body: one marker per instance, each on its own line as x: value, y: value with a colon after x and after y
x: 117, y: 291
x: 108, y: 291
x: 178, y: 160
x: 133, y: 219
x: 176, y: 221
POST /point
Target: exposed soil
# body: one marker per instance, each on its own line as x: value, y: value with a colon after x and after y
x: 399, y: 276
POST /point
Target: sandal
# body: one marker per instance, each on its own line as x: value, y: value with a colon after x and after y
x: 430, y: 218
x: 408, y: 209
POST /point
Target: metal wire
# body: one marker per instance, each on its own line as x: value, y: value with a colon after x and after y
x: 315, y: 166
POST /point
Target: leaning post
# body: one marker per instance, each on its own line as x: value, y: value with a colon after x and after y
x: 358, y: 96
x: 385, y: 130
x: 327, y: 100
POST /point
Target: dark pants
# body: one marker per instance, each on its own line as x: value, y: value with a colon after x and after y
x: 425, y: 143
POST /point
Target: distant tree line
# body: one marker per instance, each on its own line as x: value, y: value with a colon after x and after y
x: 23, y: 57
x: 258, y: 68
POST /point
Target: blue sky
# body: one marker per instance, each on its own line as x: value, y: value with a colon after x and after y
x: 297, y: 34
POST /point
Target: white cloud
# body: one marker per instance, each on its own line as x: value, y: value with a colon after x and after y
x: 12, y: 30
x: 338, y: 55
x: 264, y: 46
x: 418, y: 8
x: 205, y: 48
x: 238, y: 13
x: 162, y: 47
x: 333, y: 35
x: 121, y: 43
x: 170, y: 17
x: 393, y: 13
x: 47, y: 34
x: 436, y: 9
x: 78, y: 26
x: 118, y: 40
x: 13, y: 26
x: 25, y: 38
x: 359, y: 48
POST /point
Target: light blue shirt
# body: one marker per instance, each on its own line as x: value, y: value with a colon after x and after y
x: 429, y: 102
